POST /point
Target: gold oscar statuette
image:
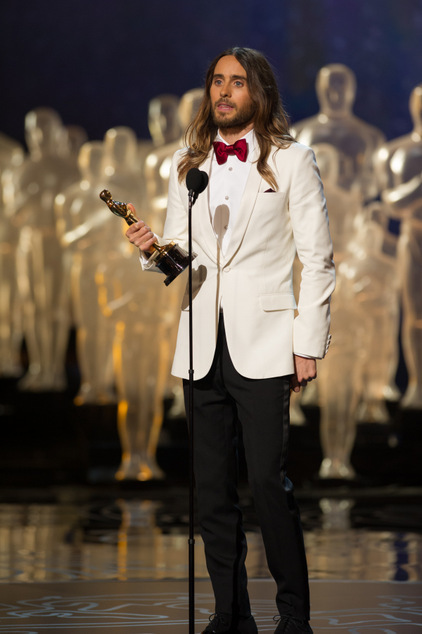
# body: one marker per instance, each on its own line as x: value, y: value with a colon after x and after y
x: 170, y: 258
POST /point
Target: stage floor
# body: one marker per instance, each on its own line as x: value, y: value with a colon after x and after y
x: 161, y: 607
x: 115, y: 559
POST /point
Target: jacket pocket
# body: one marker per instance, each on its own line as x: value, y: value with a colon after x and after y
x: 277, y: 301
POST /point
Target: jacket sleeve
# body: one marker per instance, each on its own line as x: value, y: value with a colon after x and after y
x: 176, y: 224
x: 175, y: 227
x: 309, y: 218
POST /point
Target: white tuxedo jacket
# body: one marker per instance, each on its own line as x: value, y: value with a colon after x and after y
x: 253, y: 281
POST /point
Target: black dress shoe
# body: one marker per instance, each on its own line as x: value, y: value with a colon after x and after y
x: 221, y: 624
x: 287, y: 625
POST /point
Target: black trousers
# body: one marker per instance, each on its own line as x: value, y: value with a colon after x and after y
x: 223, y: 400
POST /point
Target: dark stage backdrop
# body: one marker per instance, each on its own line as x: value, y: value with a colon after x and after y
x: 99, y: 62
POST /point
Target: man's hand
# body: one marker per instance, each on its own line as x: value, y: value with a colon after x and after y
x: 140, y: 234
x: 305, y: 371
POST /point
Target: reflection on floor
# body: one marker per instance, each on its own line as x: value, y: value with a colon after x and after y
x: 89, y: 533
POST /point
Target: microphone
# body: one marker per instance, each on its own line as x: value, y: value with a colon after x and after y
x: 196, y: 182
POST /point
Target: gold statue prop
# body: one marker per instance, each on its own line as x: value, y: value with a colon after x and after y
x: 170, y: 258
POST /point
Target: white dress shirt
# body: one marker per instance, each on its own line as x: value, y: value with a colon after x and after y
x: 226, y: 186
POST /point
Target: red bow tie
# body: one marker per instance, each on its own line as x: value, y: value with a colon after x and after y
x: 240, y: 148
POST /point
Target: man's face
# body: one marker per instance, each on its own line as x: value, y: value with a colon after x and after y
x: 232, y: 105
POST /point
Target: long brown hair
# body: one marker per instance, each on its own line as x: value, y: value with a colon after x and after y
x: 271, y: 122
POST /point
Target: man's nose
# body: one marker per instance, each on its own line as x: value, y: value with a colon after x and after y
x: 225, y: 90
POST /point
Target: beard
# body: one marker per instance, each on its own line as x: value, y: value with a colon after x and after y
x: 239, y: 118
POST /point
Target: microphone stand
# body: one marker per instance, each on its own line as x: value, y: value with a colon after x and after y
x: 191, y: 431
x: 196, y: 182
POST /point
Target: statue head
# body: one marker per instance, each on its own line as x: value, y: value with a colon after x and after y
x: 336, y: 89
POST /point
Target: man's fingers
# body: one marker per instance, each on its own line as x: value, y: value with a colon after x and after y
x: 140, y: 235
x: 294, y: 385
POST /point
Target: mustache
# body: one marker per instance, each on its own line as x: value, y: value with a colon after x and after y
x: 224, y: 101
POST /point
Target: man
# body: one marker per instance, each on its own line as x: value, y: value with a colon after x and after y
x: 264, y: 202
